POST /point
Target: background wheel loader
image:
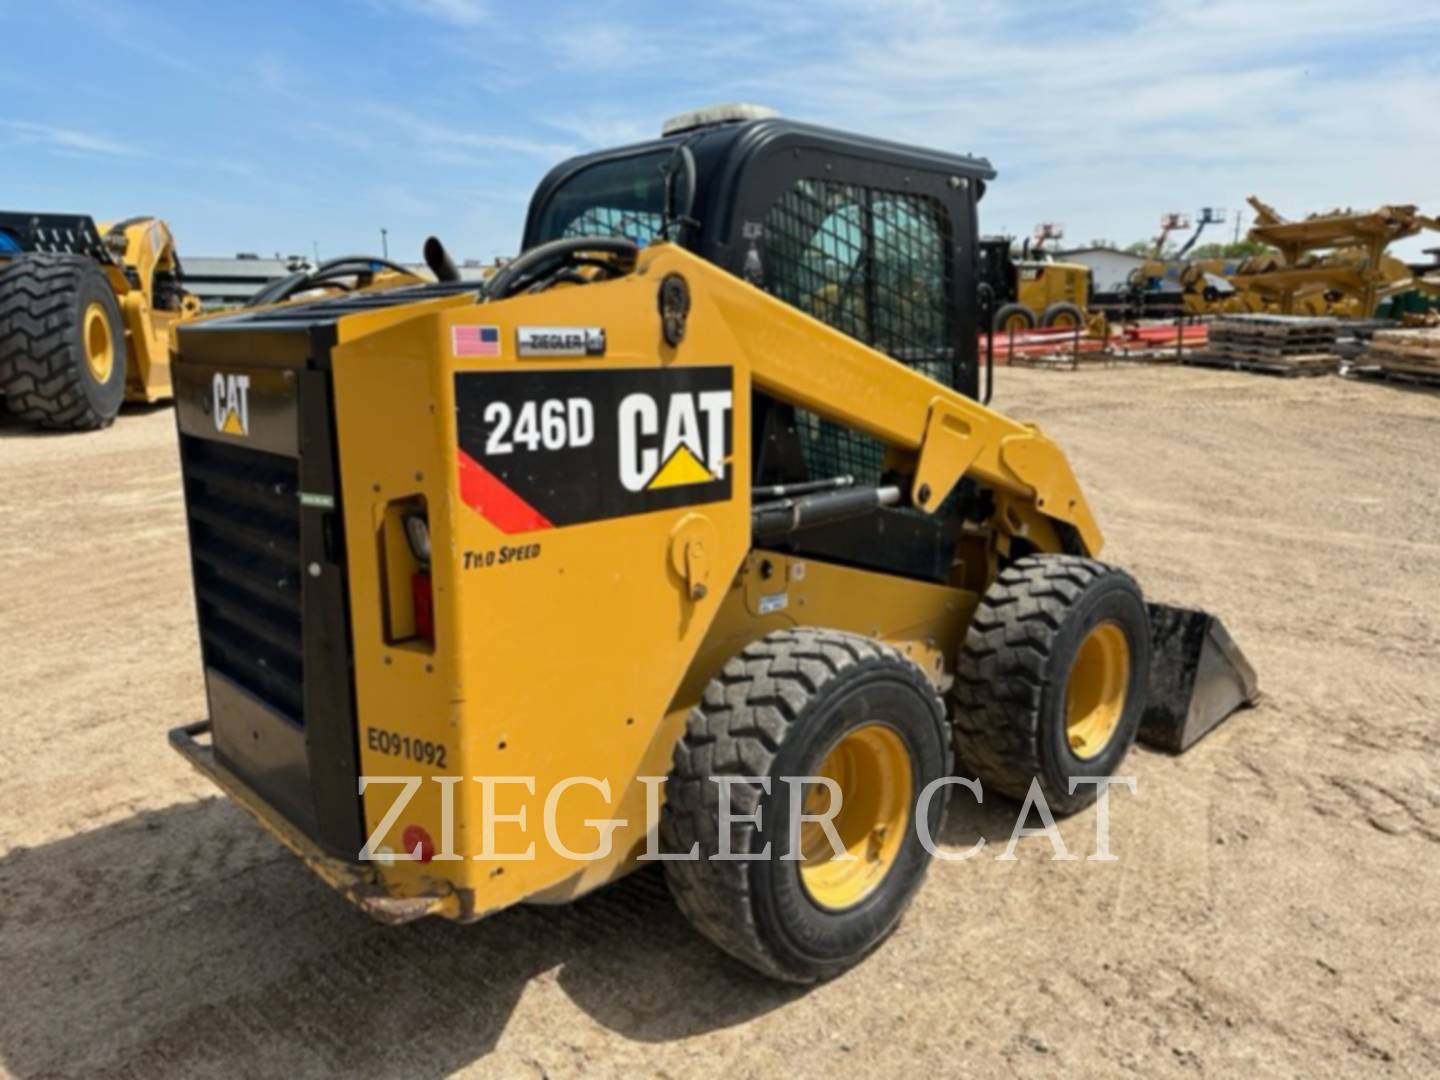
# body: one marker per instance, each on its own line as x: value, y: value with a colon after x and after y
x: 86, y: 316
x: 692, y: 497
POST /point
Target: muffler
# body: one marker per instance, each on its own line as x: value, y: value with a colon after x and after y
x: 1198, y: 677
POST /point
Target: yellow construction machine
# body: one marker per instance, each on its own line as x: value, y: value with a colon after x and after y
x: 1354, y: 275
x: 1332, y: 263
x: 684, y: 538
x: 1032, y: 290
x: 86, y: 316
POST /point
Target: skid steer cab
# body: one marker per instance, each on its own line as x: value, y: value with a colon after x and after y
x: 505, y: 590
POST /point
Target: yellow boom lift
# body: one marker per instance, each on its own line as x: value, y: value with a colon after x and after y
x: 86, y: 316
x: 695, y: 497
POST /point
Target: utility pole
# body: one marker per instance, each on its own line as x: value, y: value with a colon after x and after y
x: 385, y: 242
x: 316, y: 245
x: 1238, y: 215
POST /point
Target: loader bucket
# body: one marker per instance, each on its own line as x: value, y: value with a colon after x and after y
x: 1198, y: 677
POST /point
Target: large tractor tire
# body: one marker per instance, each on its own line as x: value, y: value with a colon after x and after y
x: 1015, y: 317
x: 62, y: 342
x: 800, y: 703
x: 1063, y: 313
x: 1051, y: 679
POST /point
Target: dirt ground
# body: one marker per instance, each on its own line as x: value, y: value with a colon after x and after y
x: 1274, y: 909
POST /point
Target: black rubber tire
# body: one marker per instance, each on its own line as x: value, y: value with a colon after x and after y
x: 43, y: 373
x: 1003, y: 316
x: 775, y: 710
x: 1013, y: 669
x: 1059, y: 308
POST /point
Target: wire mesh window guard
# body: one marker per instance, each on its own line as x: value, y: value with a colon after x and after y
x: 874, y: 265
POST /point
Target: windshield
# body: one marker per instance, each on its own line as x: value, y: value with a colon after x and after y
x: 624, y: 197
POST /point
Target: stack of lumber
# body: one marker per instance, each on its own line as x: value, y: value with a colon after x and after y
x: 1410, y: 355
x: 1275, y: 344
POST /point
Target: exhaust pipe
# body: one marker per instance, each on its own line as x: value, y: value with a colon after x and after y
x: 439, y: 261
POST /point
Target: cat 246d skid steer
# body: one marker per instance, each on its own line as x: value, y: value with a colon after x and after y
x: 503, y: 589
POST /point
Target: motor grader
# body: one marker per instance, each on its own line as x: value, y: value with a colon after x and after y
x: 86, y: 316
x: 1030, y: 291
x: 684, y: 538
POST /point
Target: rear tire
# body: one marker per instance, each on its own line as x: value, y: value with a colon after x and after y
x: 1062, y: 313
x: 786, y: 704
x: 62, y: 342
x: 1019, y: 315
x: 1051, y: 680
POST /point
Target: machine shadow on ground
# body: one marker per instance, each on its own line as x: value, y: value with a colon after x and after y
x: 185, y: 939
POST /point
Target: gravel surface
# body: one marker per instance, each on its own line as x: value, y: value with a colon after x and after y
x: 1274, y: 908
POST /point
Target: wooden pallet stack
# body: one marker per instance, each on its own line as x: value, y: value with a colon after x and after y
x: 1273, y: 344
x: 1410, y: 355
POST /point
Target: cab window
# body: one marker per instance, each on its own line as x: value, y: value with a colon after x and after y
x: 623, y: 197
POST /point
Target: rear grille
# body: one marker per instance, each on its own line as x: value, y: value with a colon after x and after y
x: 245, y: 543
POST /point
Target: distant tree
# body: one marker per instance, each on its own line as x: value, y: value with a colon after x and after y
x: 1140, y: 247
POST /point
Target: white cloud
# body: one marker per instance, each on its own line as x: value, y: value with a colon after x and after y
x: 70, y: 140
x: 1105, y: 116
x: 463, y: 145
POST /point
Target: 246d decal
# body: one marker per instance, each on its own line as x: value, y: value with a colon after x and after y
x: 552, y: 448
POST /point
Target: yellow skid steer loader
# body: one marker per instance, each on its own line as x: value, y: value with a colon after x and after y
x: 685, y: 537
x: 86, y: 316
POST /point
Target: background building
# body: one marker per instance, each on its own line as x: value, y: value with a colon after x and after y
x: 1109, y: 267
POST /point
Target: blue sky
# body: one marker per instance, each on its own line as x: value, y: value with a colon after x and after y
x: 272, y: 127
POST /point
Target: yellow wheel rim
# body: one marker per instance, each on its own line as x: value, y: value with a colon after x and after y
x: 1095, y: 693
x: 1066, y: 319
x: 871, y: 769
x: 99, y: 343
x: 1016, y: 322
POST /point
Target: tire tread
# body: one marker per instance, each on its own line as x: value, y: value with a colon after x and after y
x: 743, y: 718
x: 1004, y: 669
x: 39, y: 376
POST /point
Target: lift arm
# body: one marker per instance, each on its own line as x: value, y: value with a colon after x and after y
x: 804, y: 362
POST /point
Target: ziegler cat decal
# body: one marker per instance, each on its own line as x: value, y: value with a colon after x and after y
x: 554, y: 448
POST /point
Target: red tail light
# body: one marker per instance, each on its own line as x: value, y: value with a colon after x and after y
x: 416, y: 837
x: 423, y: 599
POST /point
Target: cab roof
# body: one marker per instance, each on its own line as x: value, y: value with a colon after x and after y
x: 724, y: 150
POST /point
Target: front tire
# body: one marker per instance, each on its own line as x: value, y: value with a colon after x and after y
x: 1051, y: 680
x: 797, y: 703
x: 62, y: 342
x: 1015, y: 317
x: 1062, y: 313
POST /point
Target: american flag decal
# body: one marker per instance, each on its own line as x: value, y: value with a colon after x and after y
x: 475, y: 340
